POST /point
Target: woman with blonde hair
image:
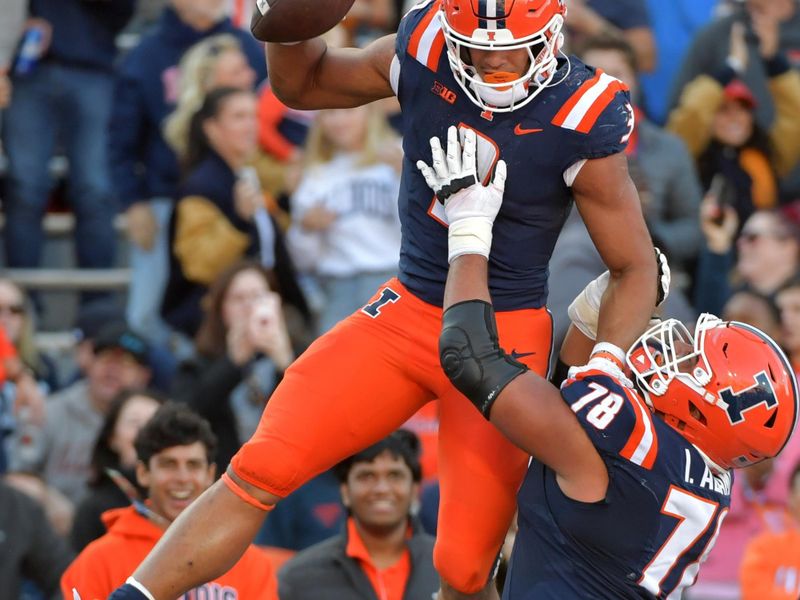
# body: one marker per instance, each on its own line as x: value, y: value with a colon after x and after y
x: 217, y: 61
x: 345, y: 231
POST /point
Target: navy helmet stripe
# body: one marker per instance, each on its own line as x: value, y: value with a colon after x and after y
x: 789, y: 369
x: 501, y: 10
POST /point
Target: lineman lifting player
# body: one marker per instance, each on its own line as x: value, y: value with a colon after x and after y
x: 369, y: 374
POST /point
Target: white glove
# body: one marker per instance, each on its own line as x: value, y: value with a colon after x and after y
x: 585, y: 309
x: 469, y: 206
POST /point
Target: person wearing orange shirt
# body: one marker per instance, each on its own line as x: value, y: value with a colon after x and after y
x: 771, y: 566
x: 383, y: 554
x: 175, y: 452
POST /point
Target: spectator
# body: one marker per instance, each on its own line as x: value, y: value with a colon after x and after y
x: 772, y: 36
x: 242, y: 350
x: 144, y: 168
x: 658, y: 161
x: 96, y: 315
x: 67, y: 96
x: 384, y: 552
x: 771, y: 565
x: 92, y: 318
x: 311, y: 514
x: 622, y: 19
x: 129, y: 411
x: 282, y: 133
x: 18, y: 319
x: 716, y: 119
x: 216, y: 61
x: 788, y: 301
x: 21, y: 398
x: 28, y: 375
x: 753, y: 309
x: 675, y: 25
x: 10, y: 29
x: 368, y: 20
x: 346, y: 230
x: 220, y: 215
x: 768, y: 255
x: 60, y: 452
x: 758, y: 504
x: 175, y: 452
x: 29, y: 548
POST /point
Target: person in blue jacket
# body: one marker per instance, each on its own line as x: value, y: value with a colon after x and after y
x: 144, y: 169
x: 62, y: 94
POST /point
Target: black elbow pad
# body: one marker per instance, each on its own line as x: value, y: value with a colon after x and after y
x: 471, y: 356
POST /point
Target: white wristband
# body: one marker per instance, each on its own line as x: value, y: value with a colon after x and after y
x: 132, y: 582
x: 612, y: 349
x: 469, y: 236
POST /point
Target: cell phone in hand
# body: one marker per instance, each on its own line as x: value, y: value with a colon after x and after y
x: 265, y: 312
x: 720, y: 190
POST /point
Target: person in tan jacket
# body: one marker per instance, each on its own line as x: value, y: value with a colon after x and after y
x: 715, y: 118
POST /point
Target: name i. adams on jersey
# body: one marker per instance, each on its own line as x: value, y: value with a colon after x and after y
x: 718, y: 483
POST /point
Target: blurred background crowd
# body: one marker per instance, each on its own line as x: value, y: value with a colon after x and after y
x: 174, y: 237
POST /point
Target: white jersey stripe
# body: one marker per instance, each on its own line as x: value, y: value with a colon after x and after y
x: 433, y: 29
x: 647, y: 437
x: 583, y: 106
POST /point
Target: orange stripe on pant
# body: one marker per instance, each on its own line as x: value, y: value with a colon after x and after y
x: 364, y: 379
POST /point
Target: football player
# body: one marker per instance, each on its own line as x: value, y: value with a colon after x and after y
x: 629, y: 482
x: 492, y: 68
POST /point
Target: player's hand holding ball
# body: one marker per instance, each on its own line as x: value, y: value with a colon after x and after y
x: 470, y: 206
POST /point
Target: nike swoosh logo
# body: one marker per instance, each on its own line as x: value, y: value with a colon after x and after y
x: 520, y: 131
x: 514, y: 354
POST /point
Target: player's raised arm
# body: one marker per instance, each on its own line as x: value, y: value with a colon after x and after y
x: 609, y: 204
x: 523, y: 405
x: 310, y: 75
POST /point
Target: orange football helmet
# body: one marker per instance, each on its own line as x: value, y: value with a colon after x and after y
x: 729, y: 389
x: 503, y: 25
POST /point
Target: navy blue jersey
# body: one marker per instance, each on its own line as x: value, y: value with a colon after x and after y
x: 646, y: 539
x: 586, y: 115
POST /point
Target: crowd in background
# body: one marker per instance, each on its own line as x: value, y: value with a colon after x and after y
x: 253, y: 228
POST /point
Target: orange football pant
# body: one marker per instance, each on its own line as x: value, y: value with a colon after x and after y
x: 366, y: 377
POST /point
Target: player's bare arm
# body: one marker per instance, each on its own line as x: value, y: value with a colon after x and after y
x: 310, y: 75
x: 609, y: 204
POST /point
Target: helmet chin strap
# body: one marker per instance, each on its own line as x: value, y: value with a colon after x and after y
x: 501, y: 96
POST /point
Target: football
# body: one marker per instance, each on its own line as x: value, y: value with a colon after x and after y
x: 296, y: 20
